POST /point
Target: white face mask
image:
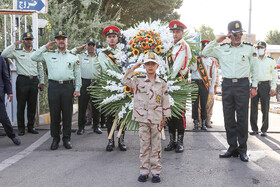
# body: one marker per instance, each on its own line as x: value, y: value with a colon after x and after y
x: 260, y: 52
x: 98, y: 50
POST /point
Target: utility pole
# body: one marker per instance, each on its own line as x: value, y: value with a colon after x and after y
x: 249, y: 30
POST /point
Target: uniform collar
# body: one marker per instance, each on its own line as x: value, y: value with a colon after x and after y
x: 65, y: 52
x: 240, y: 45
x: 86, y: 53
x: 156, y: 80
x: 179, y: 42
x: 23, y: 49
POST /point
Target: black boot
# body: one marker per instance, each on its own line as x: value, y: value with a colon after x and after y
x: 172, y: 143
x: 195, y: 125
x: 180, y: 146
x: 96, y: 129
x: 203, y: 125
x: 111, y: 145
x: 122, y: 146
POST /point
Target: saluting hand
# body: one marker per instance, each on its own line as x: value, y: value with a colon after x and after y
x: 50, y: 44
x: 137, y: 65
x: 18, y: 42
x: 223, y: 37
x: 76, y: 94
x: 81, y: 47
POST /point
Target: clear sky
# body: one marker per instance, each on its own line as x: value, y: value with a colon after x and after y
x: 218, y: 13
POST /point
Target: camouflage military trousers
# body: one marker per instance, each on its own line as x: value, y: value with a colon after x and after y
x: 150, y: 148
x: 209, y: 109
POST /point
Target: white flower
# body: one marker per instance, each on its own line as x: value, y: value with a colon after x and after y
x: 171, y: 100
x: 115, y: 74
x: 114, y: 98
x: 173, y: 88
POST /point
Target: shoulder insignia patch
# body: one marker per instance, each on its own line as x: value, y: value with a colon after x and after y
x: 183, y: 44
x: 18, y: 49
x: 163, y: 79
x: 246, y: 43
x: 73, y: 53
x: 52, y: 51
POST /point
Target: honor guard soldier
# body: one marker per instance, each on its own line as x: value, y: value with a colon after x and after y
x: 200, y: 75
x: 237, y: 63
x: 151, y: 111
x: 178, y: 60
x: 105, y: 58
x: 6, y: 87
x: 267, y: 77
x: 63, y: 73
x: 27, y: 82
x: 90, y: 69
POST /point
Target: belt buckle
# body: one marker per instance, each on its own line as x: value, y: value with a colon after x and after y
x: 234, y: 80
x: 60, y: 82
x: 31, y: 77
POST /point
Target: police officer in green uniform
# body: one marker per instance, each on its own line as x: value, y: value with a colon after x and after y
x: 90, y: 69
x: 27, y: 81
x: 63, y: 73
x: 237, y: 63
x: 105, y: 58
x: 267, y: 77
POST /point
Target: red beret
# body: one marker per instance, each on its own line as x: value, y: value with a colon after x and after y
x: 177, y: 25
x: 205, y: 41
x: 111, y: 30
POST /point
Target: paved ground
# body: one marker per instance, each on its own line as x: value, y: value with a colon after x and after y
x: 88, y: 164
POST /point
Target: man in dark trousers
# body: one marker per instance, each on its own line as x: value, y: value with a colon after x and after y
x: 6, y: 87
x: 237, y: 63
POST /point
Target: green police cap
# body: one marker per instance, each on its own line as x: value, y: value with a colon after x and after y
x: 99, y: 44
x: 60, y: 34
x: 235, y: 27
x: 27, y: 35
x: 91, y: 40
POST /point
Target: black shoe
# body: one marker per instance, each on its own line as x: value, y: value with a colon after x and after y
x: 21, y: 132
x: 203, y: 125
x: 54, y: 144
x: 80, y: 132
x: 244, y: 157
x: 156, y: 178
x: 67, y: 144
x: 97, y: 130
x: 122, y: 146
x: 254, y: 133
x: 143, y: 178
x: 33, y: 131
x: 180, y: 144
x: 110, y: 146
x: 229, y: 154
x: 264, y: 134
x: 172, y: 144
x: 16, y: 140
x: 2, y: 133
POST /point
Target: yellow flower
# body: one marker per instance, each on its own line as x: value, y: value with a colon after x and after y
x: 144, y: 44
x: 135, y: 52
x: 148, y: 36
x: 151, y: 41
x: 159, y: 42
x: 133, y: 45
x: 145, y: 52
x: 158, y: 49
x: 127, y: 89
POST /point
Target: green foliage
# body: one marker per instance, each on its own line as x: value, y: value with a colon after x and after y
x: 273, y: 37
x: 206, y: 32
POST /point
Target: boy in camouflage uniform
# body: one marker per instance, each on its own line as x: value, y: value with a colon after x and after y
x: 151, y: 108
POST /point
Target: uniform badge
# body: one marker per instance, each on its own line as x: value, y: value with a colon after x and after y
x: 78, y: 62
x: 60, y: 33
x: 91, y: 40
x: 237, y: 25
x: 175, y: 26
x: 243, y: 58
x: 158, y: 99
x: 28, y: 34
x: 69, y: 66
x: 110, y: 31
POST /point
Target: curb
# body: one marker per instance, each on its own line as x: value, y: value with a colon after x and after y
x: 272, y: 110
x: 45, y: 119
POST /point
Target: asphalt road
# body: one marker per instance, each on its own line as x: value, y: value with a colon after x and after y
x: 88, y: 164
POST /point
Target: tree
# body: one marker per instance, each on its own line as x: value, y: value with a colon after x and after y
x: 206, y: 32
x: 273, y: 37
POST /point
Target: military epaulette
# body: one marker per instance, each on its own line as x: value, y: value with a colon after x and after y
x: 73, y: 53
x: 183, y: 44
x: 270, y: 57
x: 225, y: 44
x: 163, y: 79
x: 52, y: 51
x: 18, y: 49
x: 246, y: 43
